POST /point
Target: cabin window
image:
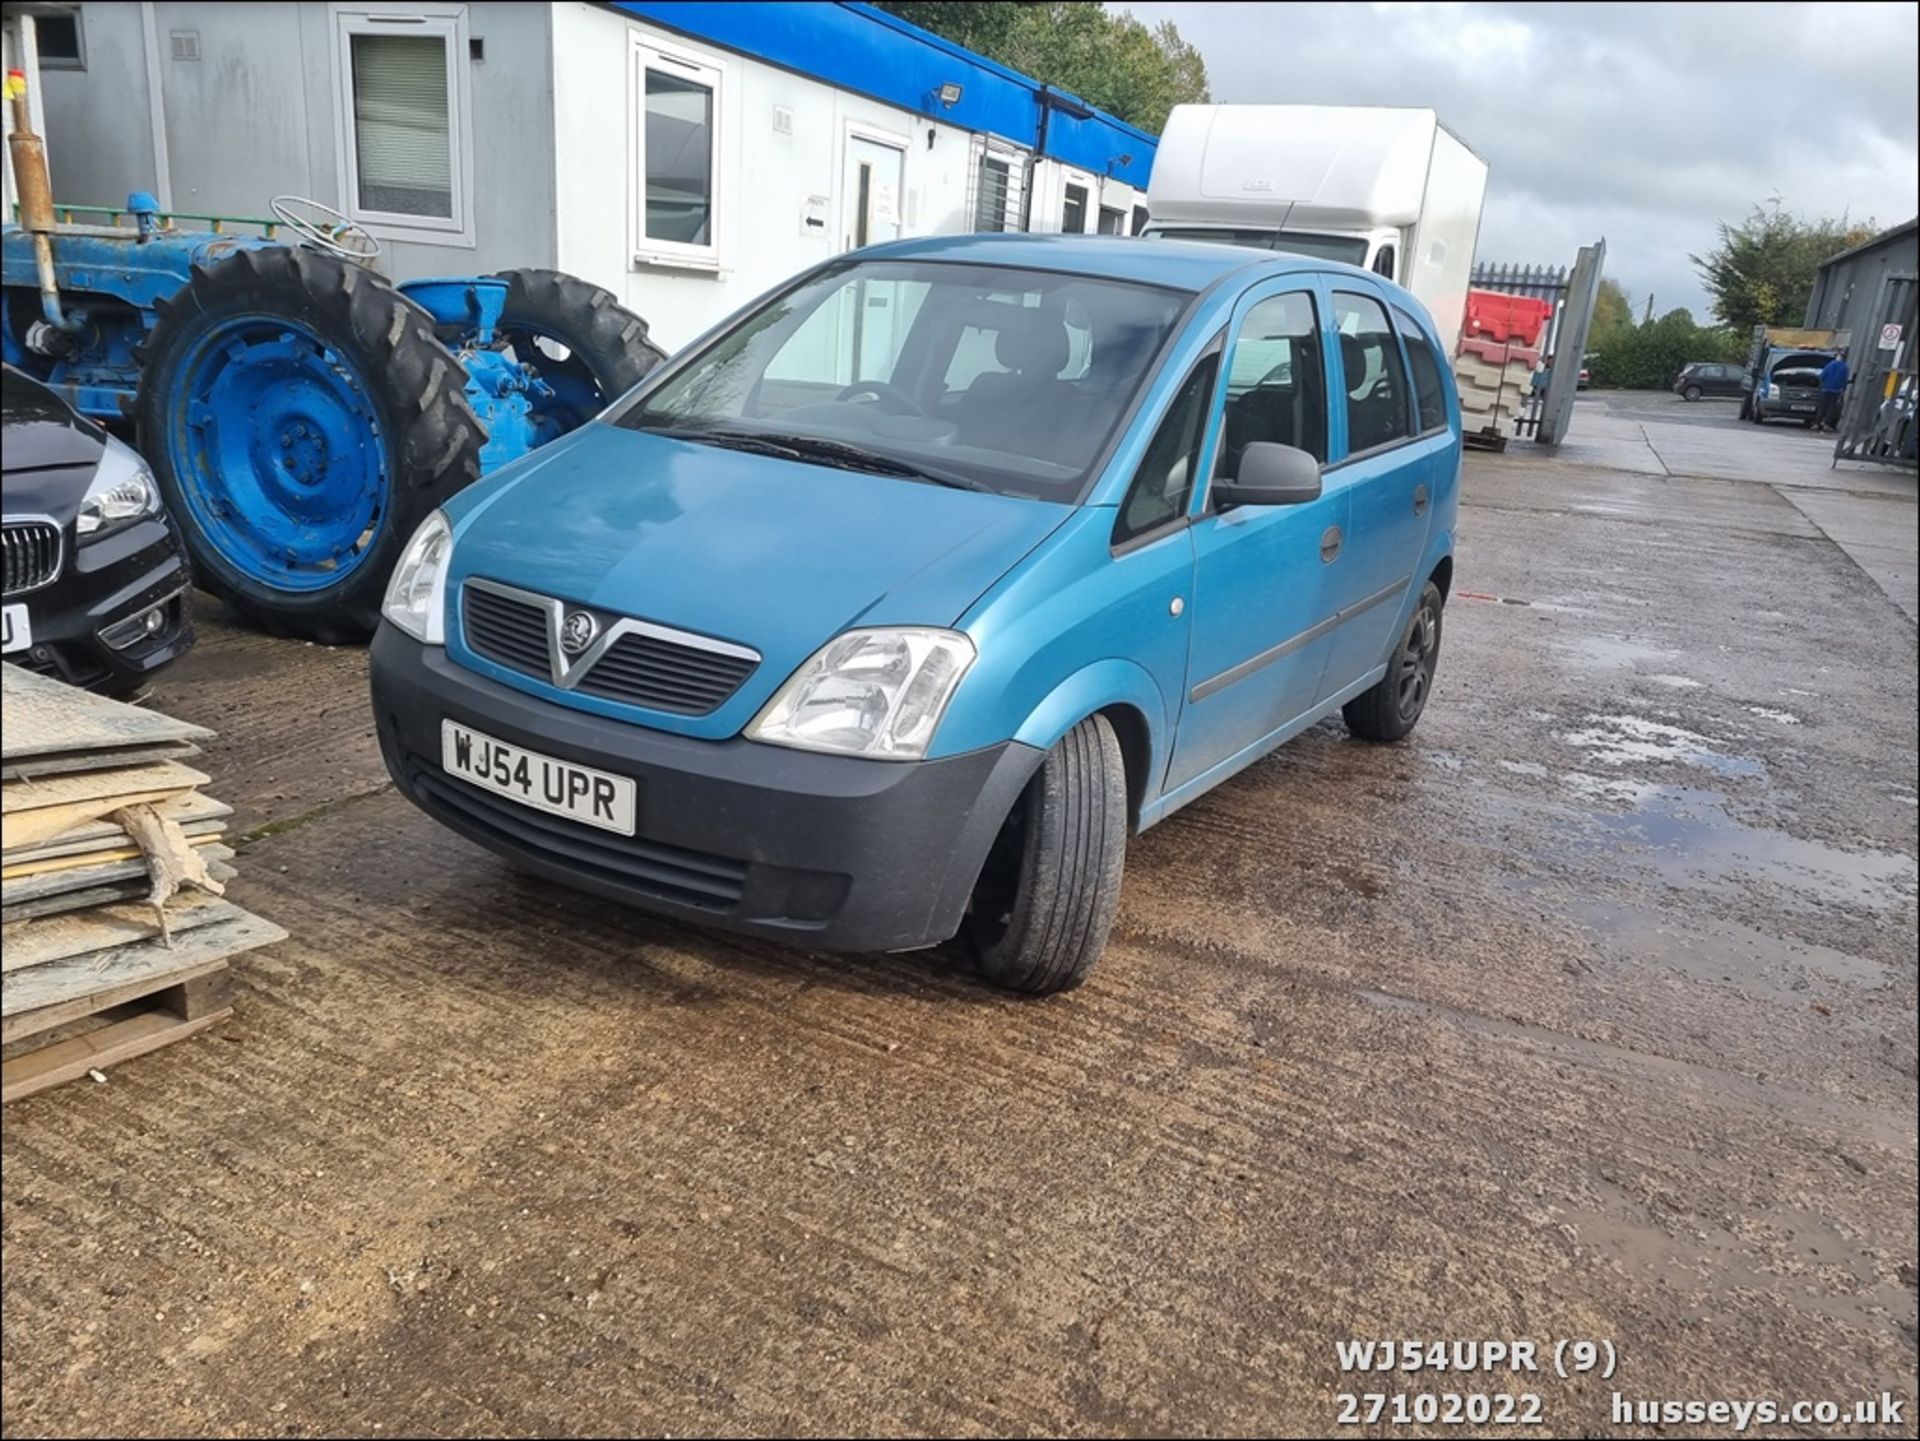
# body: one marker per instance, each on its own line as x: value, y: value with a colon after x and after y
x: 676, y: 113
x: 404, y: 132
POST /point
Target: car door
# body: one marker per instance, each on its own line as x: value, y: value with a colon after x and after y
x: 1262, y: 589
x: 1385, y: 466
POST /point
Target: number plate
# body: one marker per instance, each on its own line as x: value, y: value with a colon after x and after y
x: 16, y: 629
x: 561, y: 788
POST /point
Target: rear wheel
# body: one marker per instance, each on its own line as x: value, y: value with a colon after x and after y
x: 588, y: 348
x: 302, y: 420
x: 1047, y: 895
x: 1391, y: 709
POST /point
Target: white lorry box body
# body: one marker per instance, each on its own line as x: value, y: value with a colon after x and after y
x: 1389, y: 189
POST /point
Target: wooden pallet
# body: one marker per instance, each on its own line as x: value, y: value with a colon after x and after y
x: 102, y: 1030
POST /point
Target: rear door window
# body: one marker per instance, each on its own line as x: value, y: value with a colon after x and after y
x: 1375, y: 380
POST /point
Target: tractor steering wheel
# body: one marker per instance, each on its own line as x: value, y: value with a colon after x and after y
x: 345, y: 238
x: 880, y: 390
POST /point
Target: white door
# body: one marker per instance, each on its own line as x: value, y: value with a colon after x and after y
x: 871, y: 198
x: 870, y: 191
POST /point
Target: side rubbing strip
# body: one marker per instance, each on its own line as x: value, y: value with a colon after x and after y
x: 1293, y: 643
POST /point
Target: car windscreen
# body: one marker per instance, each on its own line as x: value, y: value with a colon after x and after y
x: 986, y: 377
x: 1348, y: 249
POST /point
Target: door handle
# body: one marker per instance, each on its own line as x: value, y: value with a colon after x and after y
x: 1419, y: 500
x: 1330, y: 543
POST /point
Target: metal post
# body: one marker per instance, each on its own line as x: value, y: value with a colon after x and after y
x: 1556, y: 411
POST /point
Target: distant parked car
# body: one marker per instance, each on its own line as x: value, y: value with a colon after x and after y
x: 1703, y: 378
x: 97, y: 588
x: 861, y: 664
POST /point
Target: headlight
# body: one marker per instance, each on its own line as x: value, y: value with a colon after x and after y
x: 877, y: 693
x: 1773, y: 391
x: 122, y: 492
x: 416, y: 595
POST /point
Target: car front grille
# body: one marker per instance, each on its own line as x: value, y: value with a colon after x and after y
x: 638, y: 669
x: 32, y: 554
x: 692, y: 878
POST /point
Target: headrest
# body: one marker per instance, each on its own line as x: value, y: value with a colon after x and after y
x: 1035, y: 344
x: 1353, y: 355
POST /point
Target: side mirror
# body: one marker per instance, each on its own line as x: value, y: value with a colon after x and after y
x: 1270, y: 474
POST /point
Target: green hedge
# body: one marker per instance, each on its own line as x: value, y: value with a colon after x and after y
x: 1647, y: 357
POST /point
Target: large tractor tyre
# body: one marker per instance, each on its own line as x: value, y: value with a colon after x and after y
x: 1389, y: 710
x: 587, y: 346
x: 302, y: 421
x: 1047, y: 895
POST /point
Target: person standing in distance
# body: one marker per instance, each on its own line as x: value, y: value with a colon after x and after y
x: 1833, y: 386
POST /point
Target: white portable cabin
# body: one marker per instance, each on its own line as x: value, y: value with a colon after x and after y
x: 1389, y: 189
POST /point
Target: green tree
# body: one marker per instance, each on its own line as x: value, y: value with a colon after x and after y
x: 1762, y: 270
x: 1112, y: 61
x: 1612, y: 310
x: 1647, y: 356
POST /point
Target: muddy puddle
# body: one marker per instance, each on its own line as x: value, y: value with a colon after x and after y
x: 1625, y: 739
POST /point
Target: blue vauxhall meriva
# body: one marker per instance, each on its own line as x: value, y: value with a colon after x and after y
x: 886, y: 610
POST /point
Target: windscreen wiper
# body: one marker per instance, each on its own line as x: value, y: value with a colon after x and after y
x: 821, y: 451
x: 858, y: 457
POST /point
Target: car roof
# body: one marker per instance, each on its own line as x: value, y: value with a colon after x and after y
x: 1176, y: 264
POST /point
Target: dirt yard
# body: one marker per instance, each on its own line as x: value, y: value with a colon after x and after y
x: 1589, y: 1013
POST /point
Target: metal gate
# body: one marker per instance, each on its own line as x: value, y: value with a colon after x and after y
x: 1546, y: 417
x: 1877, y: 421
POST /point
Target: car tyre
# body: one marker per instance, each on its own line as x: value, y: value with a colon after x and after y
x: 1047, y: 894
x: 1692, y: 392
x: 1390, y: 710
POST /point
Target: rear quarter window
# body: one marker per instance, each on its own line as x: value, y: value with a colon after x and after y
x: 1429, y: 395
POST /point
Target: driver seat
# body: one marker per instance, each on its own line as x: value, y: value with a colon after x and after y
x: 1026, y: 408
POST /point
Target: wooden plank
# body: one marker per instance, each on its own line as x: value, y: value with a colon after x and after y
x: 54, y: 938
x: 24, y: 828
x: 32, y: 888
x: 47, y: 717
x: 145, y: 964
x: 68, y: 762
x: 194, y: 806
x: 104, y: 895
x: 30, y: 795
x: 41, y: 865
x: 96, y: 1050
x: 103, y: 836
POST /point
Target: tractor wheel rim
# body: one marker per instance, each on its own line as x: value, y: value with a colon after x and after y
x: 279, y: 452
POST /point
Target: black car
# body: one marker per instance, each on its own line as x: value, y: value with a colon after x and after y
x: 1707, y: 378
x: 97, y: 588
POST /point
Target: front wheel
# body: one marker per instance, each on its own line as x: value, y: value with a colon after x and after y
x: 1391, y: 709
x: 1047, y: 894
x: 1692, y: 392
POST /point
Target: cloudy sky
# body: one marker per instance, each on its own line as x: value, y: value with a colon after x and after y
x: 1645, y: 123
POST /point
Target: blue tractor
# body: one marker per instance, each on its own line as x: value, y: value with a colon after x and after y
x: 301, y: 412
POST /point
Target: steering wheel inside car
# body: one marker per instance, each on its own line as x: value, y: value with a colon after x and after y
x: 903, y: 404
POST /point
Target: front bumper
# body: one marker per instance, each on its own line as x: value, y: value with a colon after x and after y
x: 105, y: 581
x: 826, y: 851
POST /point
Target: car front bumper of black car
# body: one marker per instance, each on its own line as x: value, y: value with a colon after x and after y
x: 113, y: 611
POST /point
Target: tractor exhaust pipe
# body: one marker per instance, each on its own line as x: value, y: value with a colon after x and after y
x: 29, y: 154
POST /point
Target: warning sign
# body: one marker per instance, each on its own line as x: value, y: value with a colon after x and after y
x: 1889, y: 337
